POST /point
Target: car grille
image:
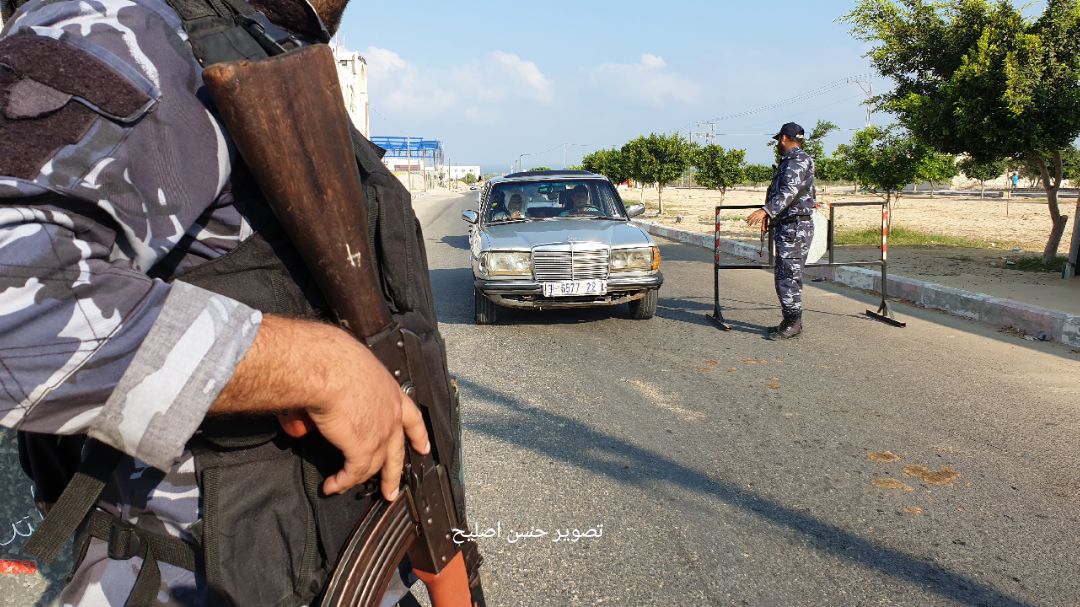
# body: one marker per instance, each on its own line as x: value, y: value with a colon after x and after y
x: 581, y: 262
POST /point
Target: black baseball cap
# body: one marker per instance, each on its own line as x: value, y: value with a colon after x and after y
x: 792, y: 130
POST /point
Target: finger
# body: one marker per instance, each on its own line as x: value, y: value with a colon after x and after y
x: 391, y: 471
x: 342, y: 480
x: 352, y: 474
x: 413, y: 422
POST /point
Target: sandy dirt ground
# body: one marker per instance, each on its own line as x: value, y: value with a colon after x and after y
x: 1005, y: 231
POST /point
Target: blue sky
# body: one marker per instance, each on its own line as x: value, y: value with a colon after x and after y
x: 495, y: 80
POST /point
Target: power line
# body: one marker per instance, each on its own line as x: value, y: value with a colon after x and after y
x: 817, y: 92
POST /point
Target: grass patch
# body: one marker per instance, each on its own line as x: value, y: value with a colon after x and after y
x: 1034, y: 263
x: 904, y: 237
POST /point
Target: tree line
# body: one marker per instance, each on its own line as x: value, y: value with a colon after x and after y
x: 885, y: 159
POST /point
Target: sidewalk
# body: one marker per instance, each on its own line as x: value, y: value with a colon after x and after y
x: 1024, y: 310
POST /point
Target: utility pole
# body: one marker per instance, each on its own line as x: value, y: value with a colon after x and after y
x: 867, y: 90
x: 408, y: 158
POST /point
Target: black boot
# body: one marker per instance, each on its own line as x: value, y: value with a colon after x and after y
x: 790, y: 327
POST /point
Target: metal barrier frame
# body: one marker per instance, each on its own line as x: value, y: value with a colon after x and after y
x: 883, y: 313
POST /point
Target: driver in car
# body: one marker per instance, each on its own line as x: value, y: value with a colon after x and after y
x: 579, y: 199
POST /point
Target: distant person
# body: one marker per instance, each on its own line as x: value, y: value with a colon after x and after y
x: 579, y: 203
x: 789, y: 204
x: 1015, y: 180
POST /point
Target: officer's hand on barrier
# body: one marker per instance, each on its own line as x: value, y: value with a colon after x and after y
x: 757, y: 217
x: 365, y: 414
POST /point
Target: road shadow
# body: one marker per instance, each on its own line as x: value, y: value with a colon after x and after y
x: 694, y: 313
x: 458, y: 242
x: 568, y: 440
x: 904, y: 310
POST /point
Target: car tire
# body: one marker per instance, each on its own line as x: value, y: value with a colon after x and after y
x: 644, y: 308
x: 484, y: 310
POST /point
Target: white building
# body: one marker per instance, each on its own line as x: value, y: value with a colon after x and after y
x: 458, y: 171
x: 352, y: 73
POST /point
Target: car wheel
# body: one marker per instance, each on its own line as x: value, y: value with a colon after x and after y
x: 644, y: 308
x: 485, y: 310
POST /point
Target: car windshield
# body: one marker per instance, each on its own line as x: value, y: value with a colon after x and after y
x: 540, y: 200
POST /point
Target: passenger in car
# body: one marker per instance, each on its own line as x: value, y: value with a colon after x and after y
x: 515, y: 210
x: 579, y: 199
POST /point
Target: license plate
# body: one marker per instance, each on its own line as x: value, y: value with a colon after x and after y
x: 571, y: 288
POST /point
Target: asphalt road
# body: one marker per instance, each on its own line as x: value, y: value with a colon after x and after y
x: 726, y: 469
x: 709, y: 468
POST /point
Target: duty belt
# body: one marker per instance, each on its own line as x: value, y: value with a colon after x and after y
x: 795, y: 218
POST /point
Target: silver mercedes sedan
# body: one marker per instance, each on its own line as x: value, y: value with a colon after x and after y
x: 559, y: 239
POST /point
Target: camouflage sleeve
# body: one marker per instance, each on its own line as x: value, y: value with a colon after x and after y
x: 97, y: 184
x: 793, y: 175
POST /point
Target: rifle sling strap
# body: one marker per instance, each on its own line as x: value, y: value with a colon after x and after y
x: 126, y: 541
x: 77, y: 500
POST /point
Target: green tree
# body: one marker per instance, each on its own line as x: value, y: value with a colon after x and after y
x: 717, y: 168
x: 982, y: 170
x: 469, y: 179
x: 608, y: 163
x: 815, y: 141
x: 1070, y: 166
x: 977, y: 78
x: 832, y: 169
x: 886, y: 159
x: 936, y: 168
x: 657, y: 158
x: 671, y: 154
x: 637, y: 162
x: 757, y: 174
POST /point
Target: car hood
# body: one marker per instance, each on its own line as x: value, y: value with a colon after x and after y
x: 526, y: 235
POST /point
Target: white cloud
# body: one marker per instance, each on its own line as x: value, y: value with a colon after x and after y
x: 649, y: 80
x: 524, y: 72
x: 481, y: 90
x: 399, y: 87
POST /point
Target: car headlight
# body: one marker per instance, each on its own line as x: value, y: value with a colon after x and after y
x: 646, y: 259
x: 517, y: 264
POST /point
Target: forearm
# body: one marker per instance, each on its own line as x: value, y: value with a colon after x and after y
x: 292, y: 364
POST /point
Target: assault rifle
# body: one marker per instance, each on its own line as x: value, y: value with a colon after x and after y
x: 287, y: 118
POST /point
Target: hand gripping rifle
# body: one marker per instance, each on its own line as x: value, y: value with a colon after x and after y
x: 287, y: 118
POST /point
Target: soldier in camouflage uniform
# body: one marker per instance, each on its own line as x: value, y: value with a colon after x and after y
x: 789, y: 204
x: 116, y: 177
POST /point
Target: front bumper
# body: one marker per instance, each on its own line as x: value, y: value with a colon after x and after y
x: 529, y: 294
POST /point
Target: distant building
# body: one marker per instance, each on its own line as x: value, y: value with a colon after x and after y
x: 352, y: 73
x: 459, y: 171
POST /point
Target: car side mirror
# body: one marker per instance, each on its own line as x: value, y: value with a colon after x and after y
x: 634, y: 210
x: 470, y: 216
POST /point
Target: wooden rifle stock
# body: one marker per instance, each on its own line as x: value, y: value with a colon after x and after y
x: 289, y: 123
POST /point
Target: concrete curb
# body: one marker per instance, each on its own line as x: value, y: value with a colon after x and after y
x: 1055, y: 325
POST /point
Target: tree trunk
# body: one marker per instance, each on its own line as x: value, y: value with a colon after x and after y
x: 982, y: 189
x: 660, y: 197
x: 1074, y: 247
x: 931, y: 189
x: 1052, y: 183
